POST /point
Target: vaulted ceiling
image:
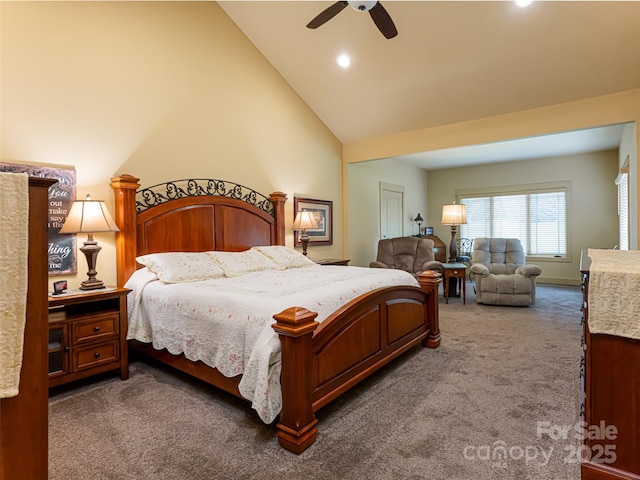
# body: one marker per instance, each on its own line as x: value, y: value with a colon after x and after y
x: 452, y: 61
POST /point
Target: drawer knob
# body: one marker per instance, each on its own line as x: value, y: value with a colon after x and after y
x: 97, y: 354
x: 97, y: 329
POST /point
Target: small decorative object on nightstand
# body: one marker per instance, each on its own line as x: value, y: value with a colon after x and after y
x: 457, y: 273
x: 87, y: 334
x: 333, y: 261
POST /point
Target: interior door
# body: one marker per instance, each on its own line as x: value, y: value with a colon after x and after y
x: 391, y: 210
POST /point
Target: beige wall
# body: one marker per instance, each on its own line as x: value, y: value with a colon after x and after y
x: 160, y: 90
x: 622, y: 107
x: 591, y: 210
x: 364, y: 211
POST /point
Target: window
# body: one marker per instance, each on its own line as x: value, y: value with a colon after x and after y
x: 622, y: 183
x: 537, y: 218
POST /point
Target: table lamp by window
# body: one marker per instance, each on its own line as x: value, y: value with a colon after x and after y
x: 89, y: 216
x: 304, y: 220
x: 454, y: 215
x: 419, y: 221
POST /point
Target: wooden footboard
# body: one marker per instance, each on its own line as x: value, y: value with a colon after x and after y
x: 320, y: 362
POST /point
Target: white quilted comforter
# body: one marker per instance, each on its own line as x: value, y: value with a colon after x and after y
x: 226, y: 322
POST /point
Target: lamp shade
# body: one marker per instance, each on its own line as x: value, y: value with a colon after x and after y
x: 89, y: 216
x: 455, y: 214
x: 304, y: 220
x: 419, y: 219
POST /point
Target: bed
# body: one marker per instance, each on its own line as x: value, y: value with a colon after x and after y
x: 318, y: 361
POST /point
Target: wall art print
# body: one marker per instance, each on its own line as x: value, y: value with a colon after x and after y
x: 61, y: 247
x: 323, y: 213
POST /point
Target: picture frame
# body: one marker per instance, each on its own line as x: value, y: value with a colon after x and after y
x: 61, y: 247
x: 323, y: 214
x: 428, y: 230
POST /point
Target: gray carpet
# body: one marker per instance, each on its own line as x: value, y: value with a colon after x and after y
x: 436, y: 414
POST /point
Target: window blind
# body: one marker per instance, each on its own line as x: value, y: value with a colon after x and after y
x: 622, y: 182
x: 538, y: 219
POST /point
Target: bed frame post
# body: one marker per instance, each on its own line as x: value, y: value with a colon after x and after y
x: 125, y: 187
x: 279, y: 199
x: 430, y: 281
x: 297, y: 427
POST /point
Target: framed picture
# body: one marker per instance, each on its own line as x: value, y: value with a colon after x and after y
x: 428, y: 230
x: 61, y: 246
x: 323, y: 213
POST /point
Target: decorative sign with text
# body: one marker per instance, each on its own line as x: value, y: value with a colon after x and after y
x: 62, y: 247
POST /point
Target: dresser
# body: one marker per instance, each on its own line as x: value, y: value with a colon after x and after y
x: 24, y: 418
x: 610, y: 381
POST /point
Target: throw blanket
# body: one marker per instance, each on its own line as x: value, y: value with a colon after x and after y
x: 614, y: 292
x: 14, y: 241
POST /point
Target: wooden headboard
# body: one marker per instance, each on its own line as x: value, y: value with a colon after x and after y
x: 191, y: 216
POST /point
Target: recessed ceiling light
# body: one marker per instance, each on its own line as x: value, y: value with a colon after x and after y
x: 523, y: 3
x: 344, y: 61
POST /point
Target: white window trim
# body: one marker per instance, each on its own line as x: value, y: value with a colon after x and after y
x: 526, y: 189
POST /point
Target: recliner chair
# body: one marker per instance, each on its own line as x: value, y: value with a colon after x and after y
x: 411, y: 254
x: 500, y: 274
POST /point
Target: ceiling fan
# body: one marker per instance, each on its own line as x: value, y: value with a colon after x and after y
x: 378, y: 14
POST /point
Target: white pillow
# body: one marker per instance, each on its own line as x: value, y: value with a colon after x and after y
x: 285, y: 257
x: 235, y: 264
x: 173, y: 267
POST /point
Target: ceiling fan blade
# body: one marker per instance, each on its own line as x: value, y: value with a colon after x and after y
x: 327, y: 14
x: 383, y: 21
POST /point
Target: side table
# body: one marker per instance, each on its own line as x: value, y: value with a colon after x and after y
x: 87, y: 334
x: 455, y: 272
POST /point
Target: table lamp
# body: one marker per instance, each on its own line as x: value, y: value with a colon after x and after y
x: 89, y: 216
x: 419, y: 221
x: 454, y: 215
x: 304, y: 220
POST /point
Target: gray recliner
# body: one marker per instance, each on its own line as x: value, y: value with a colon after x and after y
x: 411, y: 254
x: 500, y: 274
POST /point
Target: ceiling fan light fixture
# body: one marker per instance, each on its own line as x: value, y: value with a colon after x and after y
x: 362, y: 6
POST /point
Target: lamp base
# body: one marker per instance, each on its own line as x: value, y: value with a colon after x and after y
x: 453, y: 246
x: 304, y: 239
x: 91, y: 284
x: 90, y: 248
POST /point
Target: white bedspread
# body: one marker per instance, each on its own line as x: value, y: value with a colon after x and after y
x: 226, y: 323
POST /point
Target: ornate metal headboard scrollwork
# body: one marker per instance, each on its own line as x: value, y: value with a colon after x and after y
x: 196, y: 187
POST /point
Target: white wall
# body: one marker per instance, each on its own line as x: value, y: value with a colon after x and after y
x: 364, y: 203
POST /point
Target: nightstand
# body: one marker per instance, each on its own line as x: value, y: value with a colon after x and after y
x: 333, y: 261
x: 455, y: 272
x: 87, y: 334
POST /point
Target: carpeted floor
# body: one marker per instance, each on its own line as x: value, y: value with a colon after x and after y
x: 479, y: 407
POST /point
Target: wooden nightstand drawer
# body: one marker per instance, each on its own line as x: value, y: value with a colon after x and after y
x: 93, y: 356
x: 95, y: 328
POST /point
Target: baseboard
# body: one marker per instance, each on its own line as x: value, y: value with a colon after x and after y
x: 559, y: 281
